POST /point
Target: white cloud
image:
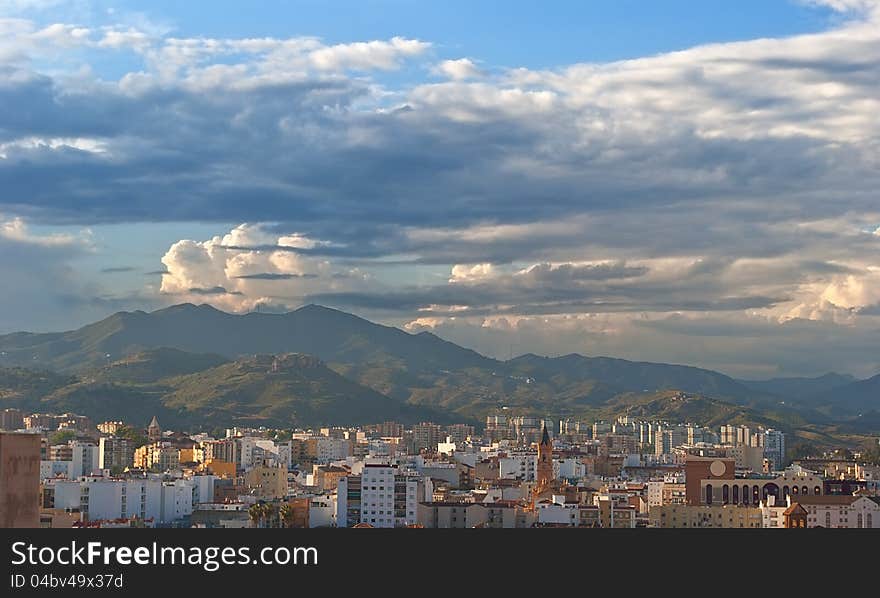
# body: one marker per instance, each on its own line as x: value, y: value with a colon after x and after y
x: 458, y: 70
x: 248, y: 267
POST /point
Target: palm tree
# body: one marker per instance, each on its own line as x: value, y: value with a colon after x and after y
x: 271, y: 515
x: 255, y: 511
x: 287, y: 513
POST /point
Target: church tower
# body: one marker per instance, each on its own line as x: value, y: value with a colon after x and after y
x: 154, y: 432
x: 545, y: 461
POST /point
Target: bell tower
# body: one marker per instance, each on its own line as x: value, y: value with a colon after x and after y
x: 544, y: 473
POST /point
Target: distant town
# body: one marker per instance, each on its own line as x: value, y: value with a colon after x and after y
x: 66, y: 471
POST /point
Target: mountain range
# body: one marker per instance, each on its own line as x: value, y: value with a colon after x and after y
x: 316, y: 365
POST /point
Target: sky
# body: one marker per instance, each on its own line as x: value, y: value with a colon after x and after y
x: 678, y: 181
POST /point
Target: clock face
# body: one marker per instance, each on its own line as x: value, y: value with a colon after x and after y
x: 717, y: 468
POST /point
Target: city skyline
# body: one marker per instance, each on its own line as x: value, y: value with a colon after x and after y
x: 679, y: 184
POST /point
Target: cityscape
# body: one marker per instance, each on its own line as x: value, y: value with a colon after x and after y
x: 65, y: 471
x: 411, y: 264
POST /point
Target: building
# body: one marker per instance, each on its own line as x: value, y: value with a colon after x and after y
x: 774, y: 448
x: 154, y: 432
x: 115, y: 453
x: 84, y: 457
x: 267, y: 483
x: 111, y: 428
x: 544, y: 466
x: 703, y: 476
x: 11, y: 419
x: 426, y: 435
x: 717, y: 516
x: 66, y: 421
x: 855, y: 512
x: 794, y: 481
x: 221, y: 450
x: 99, y: 498
x: 381, y: 496
x: 158, y: 456
x: 19, y: 480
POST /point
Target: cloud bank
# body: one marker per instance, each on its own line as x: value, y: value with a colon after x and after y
x: 713, y: 205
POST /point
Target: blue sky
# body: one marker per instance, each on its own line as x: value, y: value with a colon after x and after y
x: 687, y: 181
x: 505, y: 33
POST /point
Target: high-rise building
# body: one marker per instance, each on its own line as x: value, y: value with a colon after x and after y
x: 381, y: 496
x: 11, y: 419
x: 115, y: 453
x: 774, y: 448
x: 426, y: 435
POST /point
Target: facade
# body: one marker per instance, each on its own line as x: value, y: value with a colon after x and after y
x: 707, y: 472
x: 381, y: 496
x: 11, y: 419
x: 98, y: 498
x: 266, y: 483
x: 19, y: 480
x: 774, y: 448
x: 158, y: 456
x: 794, y: 482
x: 853, y: 512
x: 717, y: 516
x: 426, y: 436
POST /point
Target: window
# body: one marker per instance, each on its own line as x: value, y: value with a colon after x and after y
x: 725, y: 494
x: 817, y: 491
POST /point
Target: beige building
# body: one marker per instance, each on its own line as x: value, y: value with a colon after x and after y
x: 267, y: 483
x: 19, y: 480
x: 159, y: 456
x: 717, y: 516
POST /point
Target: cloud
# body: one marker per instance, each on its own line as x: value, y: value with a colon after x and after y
x: 274, y: 276
x: 117, y: 269
x: 725, y: 184
x: 458, y: 70
x: 249, y: 267
x: 43, y: 286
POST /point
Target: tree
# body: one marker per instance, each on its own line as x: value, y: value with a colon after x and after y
x: 134, y: 434
x: 62, y: 437
x: 287, y: 513
x: 255, y: 511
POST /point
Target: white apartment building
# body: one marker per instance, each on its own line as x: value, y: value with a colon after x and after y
x: 55, y: 469
x: 112, y: 498
x: 85, y: 459
x: 381, y: 496
x: 322, y: 511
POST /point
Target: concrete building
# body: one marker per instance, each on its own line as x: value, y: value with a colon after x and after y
x: 11, y: 419
x: 115, y: 453
x: 774, y: 448
x: 717, y: 516
x: 112, y: 498
x: 266, y: 482
x: 381, y: 496
x: 19, y: 480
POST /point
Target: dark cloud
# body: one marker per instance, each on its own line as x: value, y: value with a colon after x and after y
x: 212, y: 291
x: 274, y: 276
x: 117, y: 269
